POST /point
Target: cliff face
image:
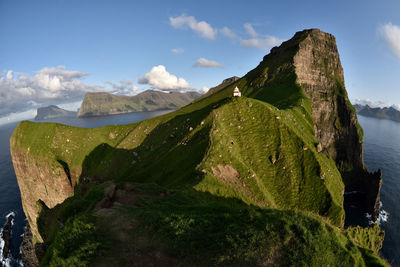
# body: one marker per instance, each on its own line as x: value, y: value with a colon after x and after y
x: 53, y: 112
x: 311, y: 58
x: 320, y: 73
x: 102, y: 104
x: 40, y: 183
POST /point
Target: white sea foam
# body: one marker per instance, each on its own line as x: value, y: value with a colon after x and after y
x: 382, y: 217
x: 7, y: 262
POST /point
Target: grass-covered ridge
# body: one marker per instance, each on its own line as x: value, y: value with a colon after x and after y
x: 223, y: 181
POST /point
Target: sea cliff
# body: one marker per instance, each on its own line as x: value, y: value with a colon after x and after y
x: 254, y: 180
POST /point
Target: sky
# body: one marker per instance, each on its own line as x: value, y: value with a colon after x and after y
x: 53, y: 52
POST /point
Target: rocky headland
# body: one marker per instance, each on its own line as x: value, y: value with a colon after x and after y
x: 256, y: 180
x: 52, y: 111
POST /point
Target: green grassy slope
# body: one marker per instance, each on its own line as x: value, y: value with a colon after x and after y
x: 229, y: 181
x: 243, y: 133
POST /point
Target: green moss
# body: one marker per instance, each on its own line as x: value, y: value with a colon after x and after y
x: 75, y: 245
x: 370, y: 238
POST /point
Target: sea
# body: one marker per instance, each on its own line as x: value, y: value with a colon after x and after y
x: 381, y: 150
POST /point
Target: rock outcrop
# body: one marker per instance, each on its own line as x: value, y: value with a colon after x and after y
x: 6, y: 236
x: 320, y: 73
x: 315, y: 58
x: 40, y: 183
x: 103, y: 104
x: 28, y: 251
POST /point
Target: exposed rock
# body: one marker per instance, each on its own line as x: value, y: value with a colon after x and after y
x: 37, y: 180
x: 109, y: 191
x: 28, y: 251
x: 319, y: 72
x: 319, y: 147
x: 225, y: 172
x: 6, y: 236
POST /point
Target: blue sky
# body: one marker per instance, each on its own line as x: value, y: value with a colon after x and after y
x: 97, y: 44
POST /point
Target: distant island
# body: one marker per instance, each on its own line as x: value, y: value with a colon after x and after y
x: 51, y: 112
x: 388, y: 113
x: 103, y: 104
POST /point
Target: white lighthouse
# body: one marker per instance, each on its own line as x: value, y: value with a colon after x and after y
x: 236, y: 92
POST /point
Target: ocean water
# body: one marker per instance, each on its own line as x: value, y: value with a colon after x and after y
x: 10, y: 199
x: 381, y: 150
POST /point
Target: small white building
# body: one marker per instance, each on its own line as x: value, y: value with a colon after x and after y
x: 236, y: 92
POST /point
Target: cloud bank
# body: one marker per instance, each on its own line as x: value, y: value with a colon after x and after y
x: 375, y: 104
x: 20, y: 91
x: 202, y: 28
x: 159, y: 78
x: 391, y: 34
x: 205, y: 63
x: 205, y: 30
x: 124, y: 87
x: 262, y: 43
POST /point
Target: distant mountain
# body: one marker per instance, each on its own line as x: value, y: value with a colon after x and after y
x: 102, y: 104
x: 388, y: 113
x: 52, y: 111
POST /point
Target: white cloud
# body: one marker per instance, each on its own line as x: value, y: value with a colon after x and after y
x: 205, y: 63
x: 204, y: 89
x: 177, y: 51
x: 373, y: 104
x: 18, y: 91
x: 250, y: 30
x: 9, y: 75
x: 391, y: 33
x: 261, y: 43
x: 159, y: 78
x: 202, y: 28
x: 18, y: 116
x: 124, y: 87
x: 228, y: 33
